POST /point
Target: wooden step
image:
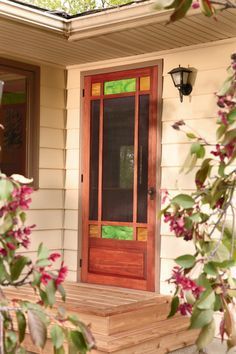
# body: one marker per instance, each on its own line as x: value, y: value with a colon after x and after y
x: 108, y: 312
x: 150, y: 336
x: 123, y: 321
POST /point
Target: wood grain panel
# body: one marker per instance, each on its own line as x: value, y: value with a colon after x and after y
x: 117, y: 262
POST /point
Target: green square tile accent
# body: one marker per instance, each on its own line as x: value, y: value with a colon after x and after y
x: 117, y: 232
x: 119, y: 86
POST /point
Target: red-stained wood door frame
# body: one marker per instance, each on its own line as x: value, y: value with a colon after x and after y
x: 143, y: 278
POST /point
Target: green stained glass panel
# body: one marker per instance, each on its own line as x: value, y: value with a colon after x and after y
x: 117, y: 232
x: 119, y: 86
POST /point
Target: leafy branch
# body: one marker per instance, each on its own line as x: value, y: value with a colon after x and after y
x: 199, y: 217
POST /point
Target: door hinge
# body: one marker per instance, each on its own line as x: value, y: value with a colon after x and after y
x: 82, y: 178
x: 80, y: 262
x: 83, y: 93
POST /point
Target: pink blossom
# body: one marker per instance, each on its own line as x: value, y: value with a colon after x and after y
x: 195, y: 5
x: 165, y: 195
x: 3, y: 252
x: 185, y: 309
x: 54, y: 256
x: 11, y: 246
x: 45, y: 278
x: 62, y: 274
x: 177, y: 225
x: 185, y: 283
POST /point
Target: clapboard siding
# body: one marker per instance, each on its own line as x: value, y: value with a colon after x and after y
x: 47, y: 208
x: 199, y: 110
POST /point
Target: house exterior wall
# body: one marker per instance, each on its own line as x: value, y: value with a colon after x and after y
x: 47, y: 208
x: 209, y: 63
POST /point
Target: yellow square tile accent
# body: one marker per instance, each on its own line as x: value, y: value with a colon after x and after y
x: 96, y: 89
x: 145, y: 83
x: 93, y: 231
x: 142, y: 234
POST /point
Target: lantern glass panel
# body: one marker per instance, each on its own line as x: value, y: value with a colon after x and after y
x: 185, y: 77
x: 176, y: 77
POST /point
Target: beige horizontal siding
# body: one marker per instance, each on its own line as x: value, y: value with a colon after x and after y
x: 52, y: 138
x: 51, y: 178
x: 52, y: 118
x: 71, y: 240
x: 197, y: 107
x: 71, y: 260
x: 51, y: 158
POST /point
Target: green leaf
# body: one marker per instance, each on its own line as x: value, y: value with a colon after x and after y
x: 203, y: 281
x: 3, y: 272
x: 180, y: 10
x: 184, y: 200
x: 206, y: 8
x: 206, y: 335
x: 21, y: 322
x: 221, y: 169
x: 186, y: 261
x: 198, y: 149
x: 78, y: 340
x: 229, y: 136
x: 57, y: 336
x: 202, y: 174
x: 62, y: 292
x: 191, y: 135
x: 232, y: 116
x: 226, y: 86
x: 43, y: 263
x: 37, y: 328
x: 10, y: 341
x: 43, y: 252
x: 174, y: 306
x: 50, y: 291
x: 196, y: 217
x: 60, y: 350
x: 218, y: 303
x: 6, y: 188
x: 17, y: 267
x: 221, y: 254
x: 220, y: 131
x: 201, y: 318
x: 206, y: 300
x: 210, y: 269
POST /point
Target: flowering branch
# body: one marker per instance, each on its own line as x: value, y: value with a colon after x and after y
x: 198, y: 217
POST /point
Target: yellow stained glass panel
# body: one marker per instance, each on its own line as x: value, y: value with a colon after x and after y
x: 145, y: 83
x: 93, y: 231
x: 142, y: 234
x: 96, y: 89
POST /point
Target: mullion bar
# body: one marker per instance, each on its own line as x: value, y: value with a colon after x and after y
x: 135, y: 189
x: 100, y: 173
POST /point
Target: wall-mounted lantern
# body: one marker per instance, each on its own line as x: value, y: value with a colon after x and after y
x: 1, y: 90
x: 180, y: 77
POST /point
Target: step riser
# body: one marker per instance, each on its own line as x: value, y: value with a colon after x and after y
x: 125, y: 321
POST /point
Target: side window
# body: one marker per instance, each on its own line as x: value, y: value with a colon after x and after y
x: 19, y: 115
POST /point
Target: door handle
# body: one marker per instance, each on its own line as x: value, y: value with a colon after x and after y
x: 151, y: 192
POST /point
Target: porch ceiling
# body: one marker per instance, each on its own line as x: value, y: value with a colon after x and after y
x: 21, y: 40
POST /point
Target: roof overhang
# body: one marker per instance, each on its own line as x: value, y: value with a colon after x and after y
x: 25, y: 14
x: 118, y: 19
x: 126, y: 31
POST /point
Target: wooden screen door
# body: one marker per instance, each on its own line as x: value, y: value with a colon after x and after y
x: 119, y: 178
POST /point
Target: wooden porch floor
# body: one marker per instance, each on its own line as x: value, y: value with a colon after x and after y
x: 123, y: 321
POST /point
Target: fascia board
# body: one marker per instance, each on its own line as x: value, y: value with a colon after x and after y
x: 118, y: 19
